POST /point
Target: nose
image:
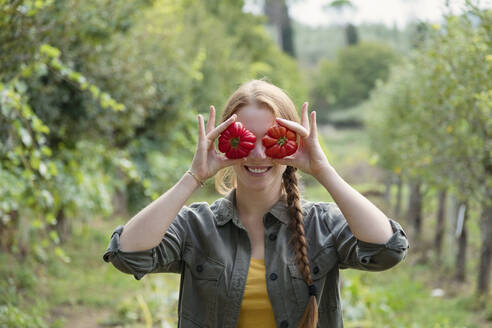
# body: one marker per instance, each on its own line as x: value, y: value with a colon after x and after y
x: 259, y: 151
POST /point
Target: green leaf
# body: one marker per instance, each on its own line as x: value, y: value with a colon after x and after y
x: 35, y: 162
x: 40, y: 253
x: 20, y: 86
x: 25, y: 137
x: 37, y: 224
x: 26, y: 111
x: 49, y: 51
x: 46, y: 151
x: 43, y: 170
x: 54, y: 237
x: 61, y: 254
x: 38, y: 126
x: 94, y: 91
x: 50, y: 218
x: 52, y: 169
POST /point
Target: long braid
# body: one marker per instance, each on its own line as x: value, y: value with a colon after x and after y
x: 310, y: 316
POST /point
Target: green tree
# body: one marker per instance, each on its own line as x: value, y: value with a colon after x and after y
x: 433, y: 118
x: 347, y: 80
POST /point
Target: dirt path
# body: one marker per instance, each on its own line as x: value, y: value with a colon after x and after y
x: 81, y: 317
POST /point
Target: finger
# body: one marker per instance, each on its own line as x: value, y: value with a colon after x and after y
x: 304, y: 116
x: 299, y: 129
x: 220, y: 128
x: 314, y: 127
x: 211, y: 119
x: 300, y: 145
x: 201, y: 128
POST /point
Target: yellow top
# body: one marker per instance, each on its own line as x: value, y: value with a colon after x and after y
x: 256, y: 309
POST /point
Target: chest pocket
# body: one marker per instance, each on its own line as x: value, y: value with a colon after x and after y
x: 322, y: 265
x: 202, y: 278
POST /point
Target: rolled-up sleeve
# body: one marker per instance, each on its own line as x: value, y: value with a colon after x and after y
x: 362, y: 255
x: 165, y: 257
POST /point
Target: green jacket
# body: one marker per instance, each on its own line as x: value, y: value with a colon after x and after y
x: 210, y: 248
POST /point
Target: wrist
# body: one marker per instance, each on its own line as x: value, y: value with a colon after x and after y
x: 190, y: 181
x: 198, y: 180
x: 323, y: 172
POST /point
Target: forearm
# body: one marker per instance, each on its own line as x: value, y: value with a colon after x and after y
x: 366, y: 221
x: 147, y: 228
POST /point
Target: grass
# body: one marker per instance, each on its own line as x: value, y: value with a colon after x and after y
x: 55, y: 290
x: 401, y: 297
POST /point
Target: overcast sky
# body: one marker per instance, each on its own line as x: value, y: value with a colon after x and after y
x: 389, y: 12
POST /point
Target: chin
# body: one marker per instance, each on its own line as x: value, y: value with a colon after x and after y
x: 259, y: 186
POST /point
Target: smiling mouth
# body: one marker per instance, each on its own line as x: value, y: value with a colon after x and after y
x: 257, y: 169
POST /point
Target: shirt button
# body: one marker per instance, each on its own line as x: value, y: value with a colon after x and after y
x: 199, y: 268
x: 272, y: 236
x: 273, y: 276
x: 284, y: 324
x: 316, y: 270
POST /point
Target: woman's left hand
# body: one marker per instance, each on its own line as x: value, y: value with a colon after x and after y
x: 309, y: 156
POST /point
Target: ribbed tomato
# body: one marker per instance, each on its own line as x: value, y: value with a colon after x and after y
x: 236, y: 141
x: 279, y: 142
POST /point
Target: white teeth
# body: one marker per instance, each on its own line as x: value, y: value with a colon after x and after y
x: 257, y: 170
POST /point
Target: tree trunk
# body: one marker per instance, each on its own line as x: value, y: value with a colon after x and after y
x: 8, y: 231
x: 63, y: 227
x: 440, y: 225
x: 288, y: 35
x: 486, y: 251
x: 23, y: 237
x: 351, y: 34
x: 120, y: 199
x: 461, y: 234
x: 278, y: 16
x: 388, y: 182
x: 452, y: 212
x: 398, y: 196
x: 414, y: 212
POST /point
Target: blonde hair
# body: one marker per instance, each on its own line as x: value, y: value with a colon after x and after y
x: 263, y: 94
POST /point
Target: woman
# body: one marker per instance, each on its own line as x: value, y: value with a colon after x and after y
x: 260, y: 256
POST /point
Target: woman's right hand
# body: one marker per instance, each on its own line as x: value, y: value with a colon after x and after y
x: 207, y: 162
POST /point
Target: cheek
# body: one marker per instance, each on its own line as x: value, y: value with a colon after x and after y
x: 279, y: 170
x: 237, y: 168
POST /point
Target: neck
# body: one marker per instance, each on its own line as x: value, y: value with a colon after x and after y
x: 254, y: 204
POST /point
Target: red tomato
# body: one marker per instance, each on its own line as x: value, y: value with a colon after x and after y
x: 236, y: 141
x: 279, y: 142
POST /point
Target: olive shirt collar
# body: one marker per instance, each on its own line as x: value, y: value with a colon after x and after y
x: 227, y: 210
